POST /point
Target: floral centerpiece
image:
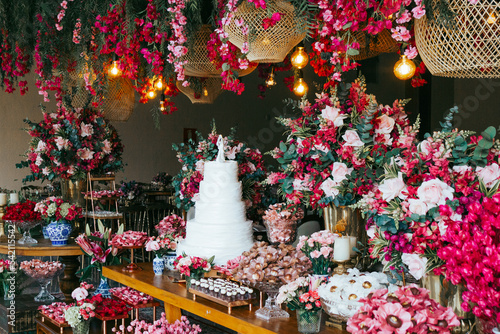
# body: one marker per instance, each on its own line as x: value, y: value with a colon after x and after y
x: 280, y: 220
x: 161, y: 180
x: 131, y: 190
x: 22, y: 211
x: 408, y: 310
x: 82, y: 291
x: 180, y: 326
x: 192, y: 156
x: 172, y: 225
x: 319, y: 249
x: 71, y: 142
x: 77, y: 317
x: 54, y: 209
x: 302, y: 296
x: 193, y: 266
x: 336, y: 148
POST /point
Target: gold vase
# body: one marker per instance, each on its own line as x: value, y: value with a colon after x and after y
x: 72, y: 191
x: 449, y: 295
x: 343, y: 219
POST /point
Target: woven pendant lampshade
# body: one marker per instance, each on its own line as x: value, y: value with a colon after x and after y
x: 470, y: 50
x: 372, y: 46
x: 211, y: 90
x: 118, y: 101
x: 267, y: 45
x: 198, y: 62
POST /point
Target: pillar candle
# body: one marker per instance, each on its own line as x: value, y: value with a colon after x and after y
x: 14, y: 198
x: 341, y: 249
x: 3, y: 199
x: 352, y: 243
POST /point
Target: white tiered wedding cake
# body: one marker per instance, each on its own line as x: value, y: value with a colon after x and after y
x: 220, y: 226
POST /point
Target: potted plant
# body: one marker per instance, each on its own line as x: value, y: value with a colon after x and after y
x: 59, y: 215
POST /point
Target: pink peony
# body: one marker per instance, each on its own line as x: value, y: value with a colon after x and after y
x: 434, y: 192
x: 152, y: 245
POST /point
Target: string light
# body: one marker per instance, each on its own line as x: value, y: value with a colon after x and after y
x: 299, y: 58
x: 151, y: 94
x: 205, y: 91
x: 162, y: 106
x: 114, y: 71
x: 404, y: 68
x: 492, y: 18
x: 159, y: 84
x: 300, y: 87
x: 270, y: 78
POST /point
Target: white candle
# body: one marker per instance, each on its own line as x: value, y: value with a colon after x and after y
x: 341, y: 249
x: 14, y: 198
x: 352, y: 243
x: 3, y: 199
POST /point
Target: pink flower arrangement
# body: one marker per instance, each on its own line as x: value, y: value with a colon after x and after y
x: 55, y: 209
x: 104, y: 193
x: 319, y: 249
x: 82, y: 291
x: 160, y: 245
x: 54, y: 311
x: 193, y: 266
x: 301, y: 294
x: 131, y: 296
x: 70, y: 143
x: 161, y: 325
x: 408, y: 310
x: 129, y: 239
x: 172, y: 225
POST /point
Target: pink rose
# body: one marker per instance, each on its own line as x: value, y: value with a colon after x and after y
x: 107, y: 147
x: 328, y: 187
x: 351, y: 138
x: 85, y: 154
x: 415, y: 263
x: 417, y: 206
x: 61, y: 143
x: 385, y: 124
x: 200, y: 166
x: 152, y: 245
x: 332, y: 114
x: 392, y: 188
x: 340, y: 171
x: 87, y: 129
x: 425, y: 147
x: 489, y: 174
x: 434, y: 192
x: 300, y: 185
x: 79, y: 294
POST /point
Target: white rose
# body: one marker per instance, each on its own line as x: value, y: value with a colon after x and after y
x: 328, y: 186
x: 489, y: 174
x: 417, y: 206
x: 434, y: 192
x: 416, y: 264
x: 41, y: 146
x: 392, y: 188
x: 425, y: 147
x: 200, y: 166
x: 300, y: 185
x: 340, y: 171
x: 461, y: 169
x: 332, y: 114
x: 371, y: 231
x: 79, y: 294
x: 321, y: 147
x: 385, y: 124
x: 351, y: 138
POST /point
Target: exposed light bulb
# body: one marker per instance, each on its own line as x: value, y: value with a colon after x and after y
x: 162, y: 106
x: 300, y: 87
x: 404, y: 68
x: 151, y: 94
x: 299, y: 58
x: 205, y: 91
x: 114, y: 71
x: 270, y: 80
x: 492, y: 18
x: 159, y: 84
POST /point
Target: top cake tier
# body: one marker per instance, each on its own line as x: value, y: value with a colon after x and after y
x: 221, y: 172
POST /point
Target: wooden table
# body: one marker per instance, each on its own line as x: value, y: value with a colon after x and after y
x: 175, y: 297
x: 68, y: 256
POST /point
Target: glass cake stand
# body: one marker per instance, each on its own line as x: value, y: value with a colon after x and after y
x: 44, y: 280
x: 271, y: 309
x: 26, y: 226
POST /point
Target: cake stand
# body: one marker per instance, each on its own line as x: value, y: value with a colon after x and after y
x: 271, y: 309
x: 44, y: 280
x: 26, y: 226
x: 131, y: 267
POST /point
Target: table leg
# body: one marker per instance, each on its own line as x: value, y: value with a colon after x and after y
x: 69, y: 281
x: 172, y: 313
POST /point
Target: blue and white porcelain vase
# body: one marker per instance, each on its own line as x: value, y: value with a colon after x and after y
x: 59, y: 232
x: 169, y: 259
x: 103, y: 288
x: 44, y: 231
x: 158, y: 265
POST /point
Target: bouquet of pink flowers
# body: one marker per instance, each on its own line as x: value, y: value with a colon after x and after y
x: 160, y: 245
x: 70, y: 143
x: 319, y: 249
x: 74, y: 314
x: 193, y: 266
x: 161, y: 325
x: 55, y: 208
x: 301, y: 294
x: 172, y: 225
x: 408, y: 310
x: 336, y: 147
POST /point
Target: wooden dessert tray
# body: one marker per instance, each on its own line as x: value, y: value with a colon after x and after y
x: 223, y: 302
x: 59, y: 325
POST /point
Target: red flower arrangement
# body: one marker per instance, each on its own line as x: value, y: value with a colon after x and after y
x: 22, y: 211
x: 108, y: 307
x: 193, y: 266
x: 408, y: 310
x: 55, y: 208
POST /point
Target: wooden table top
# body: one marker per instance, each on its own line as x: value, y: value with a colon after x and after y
x: 241, y: 319
x: 42, y: 248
